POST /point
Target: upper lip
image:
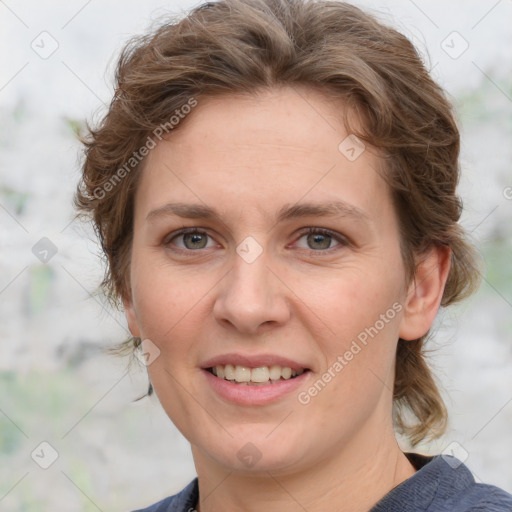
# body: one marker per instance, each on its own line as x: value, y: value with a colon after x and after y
x: 253, y: 361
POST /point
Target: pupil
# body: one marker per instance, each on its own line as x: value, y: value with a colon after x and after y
x: 317, y: 237
x: 196, y: 238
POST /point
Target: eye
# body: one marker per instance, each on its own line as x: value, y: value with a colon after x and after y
x: 319, y: 239
x: 192, y: 239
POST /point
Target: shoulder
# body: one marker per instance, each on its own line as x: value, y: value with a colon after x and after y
x: 461, y: 493
x: 485, y: 498
x: 443, y: 484
x: 184, y: 501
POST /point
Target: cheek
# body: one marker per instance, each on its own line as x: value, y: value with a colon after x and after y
x: 356, y: 380
x: 356, y: 300
x: 169, y: 303
x: 363, y: 312
x: 164, y: 298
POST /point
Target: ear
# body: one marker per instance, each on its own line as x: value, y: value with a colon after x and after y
x: 425, y: 293
x: 131, y: 317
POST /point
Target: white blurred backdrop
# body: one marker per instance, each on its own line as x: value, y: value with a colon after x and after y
x: 58, y: 387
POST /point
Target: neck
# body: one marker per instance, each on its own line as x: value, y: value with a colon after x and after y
x: 351, y: 479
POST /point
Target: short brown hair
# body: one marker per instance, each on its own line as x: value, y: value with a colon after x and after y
x: 242, y: 46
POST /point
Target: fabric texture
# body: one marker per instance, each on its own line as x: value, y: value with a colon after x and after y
x: 442, y: 483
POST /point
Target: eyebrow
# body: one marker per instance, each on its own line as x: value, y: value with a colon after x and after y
x: 307, y: 209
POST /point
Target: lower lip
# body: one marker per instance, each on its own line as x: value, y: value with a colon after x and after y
x: 254, y: 395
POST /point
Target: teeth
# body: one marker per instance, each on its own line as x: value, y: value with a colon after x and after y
x: 229, y: 371
x: 275, y: 373
x: 259, y: 375
x: 242, y: 374
x: 286, y: 373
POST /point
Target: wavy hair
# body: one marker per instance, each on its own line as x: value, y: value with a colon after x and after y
x: 242, y: 46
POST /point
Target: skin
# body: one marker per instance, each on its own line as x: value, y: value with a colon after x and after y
x: 302, y: 298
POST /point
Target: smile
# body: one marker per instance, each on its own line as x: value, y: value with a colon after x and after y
x: 259, y: 376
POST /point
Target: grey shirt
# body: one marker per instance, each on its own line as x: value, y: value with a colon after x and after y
x: 441, y: 484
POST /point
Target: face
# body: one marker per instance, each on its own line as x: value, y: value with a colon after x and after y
x: 268, y: 277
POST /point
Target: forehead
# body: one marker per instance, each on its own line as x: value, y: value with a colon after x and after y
x: 268, y: 122
x: 250, y: 151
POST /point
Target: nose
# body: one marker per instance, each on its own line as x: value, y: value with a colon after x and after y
x: 252, y: 296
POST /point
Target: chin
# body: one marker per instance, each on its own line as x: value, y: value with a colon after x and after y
x: 253, y: 452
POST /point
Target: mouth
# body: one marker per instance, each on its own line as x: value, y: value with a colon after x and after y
x: 257, y: 376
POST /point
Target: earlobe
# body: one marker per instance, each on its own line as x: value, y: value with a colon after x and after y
x: 425, y: 293
x: 131, y: 317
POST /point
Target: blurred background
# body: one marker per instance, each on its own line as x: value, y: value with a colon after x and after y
x: 72, y: 438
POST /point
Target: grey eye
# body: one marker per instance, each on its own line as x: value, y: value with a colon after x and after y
x: 319, y: 240
x: 197, y: 240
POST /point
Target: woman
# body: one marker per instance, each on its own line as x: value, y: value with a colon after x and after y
x: 239, y: 138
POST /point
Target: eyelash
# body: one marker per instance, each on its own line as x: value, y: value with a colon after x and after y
x: 343, y: 241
